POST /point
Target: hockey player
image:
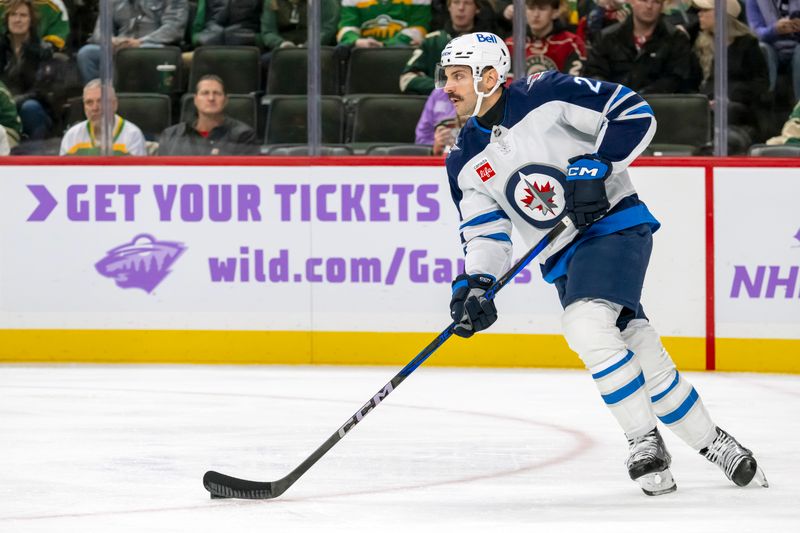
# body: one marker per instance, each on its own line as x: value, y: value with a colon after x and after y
x: 549, y: 146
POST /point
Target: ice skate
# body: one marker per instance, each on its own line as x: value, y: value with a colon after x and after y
x: 648, y: 464
x: 735, y: 460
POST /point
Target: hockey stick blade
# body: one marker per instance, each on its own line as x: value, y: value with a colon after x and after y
x: 224, y: 486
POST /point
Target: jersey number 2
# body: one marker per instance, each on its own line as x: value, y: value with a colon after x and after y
x: 594, y: 85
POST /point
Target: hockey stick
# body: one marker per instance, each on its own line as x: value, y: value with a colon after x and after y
x: 222, y: 486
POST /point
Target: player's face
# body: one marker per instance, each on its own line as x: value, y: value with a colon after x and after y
x: 462, y: 13
x: 210, y: 98
x: 460, y: 90
x: 646, y: 11
x: 540, y: 19
x: 92, y: 104
x: 19, y: 21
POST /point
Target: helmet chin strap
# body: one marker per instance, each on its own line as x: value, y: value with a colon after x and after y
x: 481, y: 95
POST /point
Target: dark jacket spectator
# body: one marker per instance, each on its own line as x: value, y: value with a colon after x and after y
x: 602, y: 15
x: 283, y: 23
x: 212, y: 133
x: 26, y: 68
x: 748, y: 78
x: 232, y: 137
x: 486, y: 17
x: 680, y: 14
x: 663, y: 64
x: 227, y: 22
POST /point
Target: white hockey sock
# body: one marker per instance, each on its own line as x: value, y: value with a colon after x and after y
x: 621, y: 381
x: 675, y: 401
x: 591, y: 331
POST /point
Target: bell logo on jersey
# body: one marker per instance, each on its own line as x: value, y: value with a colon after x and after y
x: 484, y: 170
x: 536, y: 192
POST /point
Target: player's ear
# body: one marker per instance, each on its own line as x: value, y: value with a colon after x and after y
x: 489, y: 79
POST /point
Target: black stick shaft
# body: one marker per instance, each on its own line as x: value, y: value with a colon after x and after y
x: 222, y: 486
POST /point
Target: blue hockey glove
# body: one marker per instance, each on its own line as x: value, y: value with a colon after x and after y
x: 468, y: 307
x: 585, y: 193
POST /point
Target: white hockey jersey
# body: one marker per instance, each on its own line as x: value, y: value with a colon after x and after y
x: 127, y: 139
x: 515, y: 172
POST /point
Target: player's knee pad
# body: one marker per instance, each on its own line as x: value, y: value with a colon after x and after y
x: 590, y: 330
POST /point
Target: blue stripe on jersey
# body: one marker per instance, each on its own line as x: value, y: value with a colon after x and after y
x: 625, y: 391
x: 496, y: 236
x: 644, y: 107
x: 630, y: 103
x: 484, y: 218
x: 478, y: 125
x: 682, y: 409
x: 613, y: 367
x: 623, y: 91
x: 674, y: 384
x: 627, y: 217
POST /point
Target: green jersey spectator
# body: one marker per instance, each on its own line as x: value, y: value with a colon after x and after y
x: 372, y: 24
x: 283, y: 23
x: 9, y: 118
x: 53, y: 20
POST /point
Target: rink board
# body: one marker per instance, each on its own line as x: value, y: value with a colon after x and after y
x: 284, y: 261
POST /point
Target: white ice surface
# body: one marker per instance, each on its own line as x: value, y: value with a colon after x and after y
x: 119, y: 449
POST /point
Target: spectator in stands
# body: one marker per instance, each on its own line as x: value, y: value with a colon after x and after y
x: 9, y: 117
x: 485, y: 18
x: 681, y: 14
x: 137, y: 23
x: 644, y: 53
x: 26, y: 68
x: 777, y: 24
x: 377, y: 24
x: 53, y: 19
x: 572, y: 13
x: 283, y: 23
x: 417, y: 76
x: 604, y: 14
x: 549, y: 46
x: 84, y: 137
x: 227, y: 22
x: 5, y: 148
x: 212, y: 133
x: 748, y: 78
x: 437, y: 123
x: 790, y: 133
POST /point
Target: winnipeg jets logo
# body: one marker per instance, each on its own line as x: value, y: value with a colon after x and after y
x: 540, y: 197
x: 536, y: 192
x: 533, y: 77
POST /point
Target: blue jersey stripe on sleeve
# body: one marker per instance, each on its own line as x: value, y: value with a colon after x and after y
x: 484, y: 218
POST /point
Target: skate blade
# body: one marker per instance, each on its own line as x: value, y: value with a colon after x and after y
x: 657, y: 483
x: 760, y: 478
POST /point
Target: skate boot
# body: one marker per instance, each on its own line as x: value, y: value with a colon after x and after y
x: 648, y: 464
x: 735, y: 460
